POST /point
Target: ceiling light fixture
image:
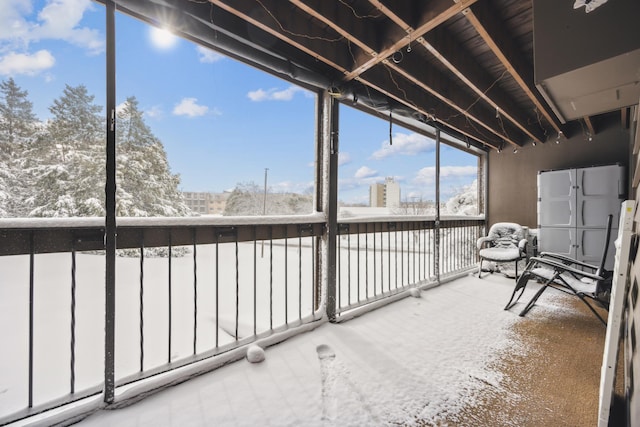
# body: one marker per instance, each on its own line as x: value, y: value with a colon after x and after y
x: 558, y: 137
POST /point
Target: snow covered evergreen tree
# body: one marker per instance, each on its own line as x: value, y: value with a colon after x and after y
x: 17, y: 132
x: 146, y: 186
x: 57, y: 168
x: 69, y: 177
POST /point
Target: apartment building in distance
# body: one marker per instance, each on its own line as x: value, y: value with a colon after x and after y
x: 205, y: 203
x: 385, y: 194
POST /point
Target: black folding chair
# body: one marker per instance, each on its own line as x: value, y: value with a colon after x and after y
x: 568, y: 275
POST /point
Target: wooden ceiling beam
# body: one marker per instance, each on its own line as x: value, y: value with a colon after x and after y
x: 438, y: 84
x: 297, y: 33
x: 482, y: 18
x: 436, y: 12
x: 433, y: 82
x: 425, y: 103
x: 444, y: 48
x: 589, y: 124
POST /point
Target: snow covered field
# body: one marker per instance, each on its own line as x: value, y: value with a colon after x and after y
x: 52, y: 312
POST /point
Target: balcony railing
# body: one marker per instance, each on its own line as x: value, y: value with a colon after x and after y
x: 188, y: 290
x: 385, y: 257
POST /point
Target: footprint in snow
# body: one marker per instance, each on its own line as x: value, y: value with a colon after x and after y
x: 343, y: 403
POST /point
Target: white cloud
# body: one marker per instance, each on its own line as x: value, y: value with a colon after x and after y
x: 208, y: 56
x: 12, y: 22
x: 22, y: 63
x: 365, y: 172
x: 287, y: 94
x: 57, y: 20
x: 405, y: 144
x: 189, y: 107
x: 344, y: 158
x: 427, y: 175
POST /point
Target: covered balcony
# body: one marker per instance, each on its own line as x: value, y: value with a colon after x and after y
x: 363, y: 316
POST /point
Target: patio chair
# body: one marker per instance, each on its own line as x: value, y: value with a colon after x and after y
x: 568, y: 275
x: 505, y: 242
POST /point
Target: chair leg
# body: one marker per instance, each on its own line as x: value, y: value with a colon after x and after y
x: 533, y: 300
x: 480, y: 270
x: 521, y: 284
x: 581, y: 296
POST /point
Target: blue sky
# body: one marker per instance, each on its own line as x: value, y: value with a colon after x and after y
x: 221, y: 122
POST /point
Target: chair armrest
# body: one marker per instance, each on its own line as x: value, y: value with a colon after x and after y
x: 481, y: 241
x: 522, y: 246
x: 559, y: 266
x: 567, y: 260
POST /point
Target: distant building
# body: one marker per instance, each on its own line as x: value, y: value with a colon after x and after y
x: 385, y: 195
x: 205, y: 203
x: 376, y: 195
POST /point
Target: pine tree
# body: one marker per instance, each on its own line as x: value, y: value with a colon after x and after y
x: 18, y: 128
x: 146, y: 186
x: 69, y: 176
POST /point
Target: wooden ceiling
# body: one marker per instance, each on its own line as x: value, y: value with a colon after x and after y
x: 465, y: 66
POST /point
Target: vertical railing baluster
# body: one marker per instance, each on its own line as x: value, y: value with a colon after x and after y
x: 72, y: 364
x: 381, y: 259
x: 366, y: 261
x: 195, y: 292
x: 299, y: 274
x: 255, y: 280
x: 339, y: 271
x: 358, y: 269
x: 170, y: 300
x: 436, y: 250
x: 217, y: 264
x: 402, y: 254
x: 349, y: 267
x: 413, y: 254
x: 374, y: 260
x: 286, y: 275
x: 31, y: 314
x: 395, y: 251
x: 314, y: 287
x: 445, y: 249
x: 451, y: 249
x: 141, y: 309
x: 389, y: 255
x: 458, y: 245
x: 237, y: 289
x: 271, y: 277
x: 421, y: 272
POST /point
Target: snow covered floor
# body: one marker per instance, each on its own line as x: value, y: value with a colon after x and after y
x: 416, y: 360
